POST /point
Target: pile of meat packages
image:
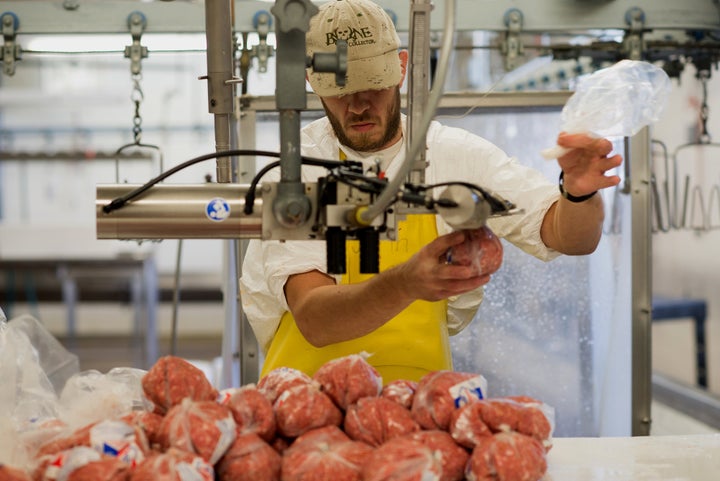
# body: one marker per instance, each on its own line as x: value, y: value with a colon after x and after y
x: 342, y: 424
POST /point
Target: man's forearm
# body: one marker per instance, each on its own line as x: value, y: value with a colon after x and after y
x: 331, y: 313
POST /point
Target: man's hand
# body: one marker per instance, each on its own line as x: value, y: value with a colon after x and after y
x: 429, y: 277
x: 585, y: 165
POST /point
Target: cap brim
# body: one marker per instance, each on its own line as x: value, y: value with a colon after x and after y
x: 374, y: 73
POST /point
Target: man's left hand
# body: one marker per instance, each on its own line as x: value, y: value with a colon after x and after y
x: 586, y: 163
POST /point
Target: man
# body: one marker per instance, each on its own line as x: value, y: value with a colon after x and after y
x: 402, y: 317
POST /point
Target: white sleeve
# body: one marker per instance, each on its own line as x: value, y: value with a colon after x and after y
x: 266, y: 268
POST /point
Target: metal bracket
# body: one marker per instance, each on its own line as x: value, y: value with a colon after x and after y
x: 262, y: 21
x: 512, y: 46
x: 11, y: 51
x: 136, y: 22
x: 293, y: 14
x: 633, y: 43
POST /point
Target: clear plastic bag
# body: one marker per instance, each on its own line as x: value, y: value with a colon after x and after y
x: 616, y: 101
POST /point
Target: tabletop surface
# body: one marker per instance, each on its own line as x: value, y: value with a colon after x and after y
x: 646, y: 458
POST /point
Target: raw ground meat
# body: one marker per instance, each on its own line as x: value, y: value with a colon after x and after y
x: 481, y: 250
x: 348, y: 379
x: 507, y: 457
x: 401, y: 391
x: 169, y: 465
x: 171, y: 379
x: 402, y: 459
x: 324, y: 454
x: 279, y: 380
x: 467, y: 426
x: 435, y: 400
x: 80, y: 437
x: 149, y: 422
x: 202, y: 427
x: 488, y: 416
x: 305, y: 407
x: 252, y: 411
x: 249, y: 458
x: 374, y: 420
x: 452, y: 457
x: 9, y: 473
x: 106, y: 469
x: 325, y: 434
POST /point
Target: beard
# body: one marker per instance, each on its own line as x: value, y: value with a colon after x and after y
x: 365, y: 142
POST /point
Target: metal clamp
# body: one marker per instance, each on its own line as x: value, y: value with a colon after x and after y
x: 262, y: 21
x: 11, y: 51
x: 136, y: 22
x: 294, y: 14
x: 512, y: 46
x: 633, y: 43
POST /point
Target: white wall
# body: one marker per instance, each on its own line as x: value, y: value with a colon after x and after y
x: 686, y: 260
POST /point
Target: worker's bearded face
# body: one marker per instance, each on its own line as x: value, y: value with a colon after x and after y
x: 366, y: 121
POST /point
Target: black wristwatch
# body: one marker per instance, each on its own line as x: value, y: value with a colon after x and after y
x: 570, y: 197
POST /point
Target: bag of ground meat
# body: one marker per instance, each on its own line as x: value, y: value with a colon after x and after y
x: 252, y: 411
x: 120, y: 440
x: 174, y: 465
x: 481, y: 419
x: 58, y: 466
x: 439, y: 393
x: 172, y: 379
x: 401, y: 391
x: 507, y: 456
x: 453, y: 457
x: 202, y: 427
x: 80, y: 437
x: 149, y: 422
x: 324, y: 454
x: 467, y: 426
x: 481, y: 250
x: 304, y: 407
x: 105, y: 469
x: 348, y: 379
x: 9, y: 473
x: 403, y: 459
x: 374, y: 420
x: 279, y: 380
x: 249, y: 458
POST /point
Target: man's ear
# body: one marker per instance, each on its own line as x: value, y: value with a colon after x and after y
x: 403, y: 54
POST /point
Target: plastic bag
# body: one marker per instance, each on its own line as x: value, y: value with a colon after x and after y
x: 27, y: 398
x: 616, y: 101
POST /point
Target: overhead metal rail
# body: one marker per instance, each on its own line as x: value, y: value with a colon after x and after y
x: 110, y: 16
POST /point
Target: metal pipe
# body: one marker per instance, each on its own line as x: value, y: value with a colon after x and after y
x: 218, y: 31
x: 639, y: 182
x: 418, y: 82
x: 178, y: 211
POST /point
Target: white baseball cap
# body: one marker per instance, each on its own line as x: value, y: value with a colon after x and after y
x: 373, y: 43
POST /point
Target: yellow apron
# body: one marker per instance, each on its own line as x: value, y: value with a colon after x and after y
x: 408, y: 346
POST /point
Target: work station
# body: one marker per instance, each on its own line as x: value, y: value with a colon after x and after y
x: 249, y: 185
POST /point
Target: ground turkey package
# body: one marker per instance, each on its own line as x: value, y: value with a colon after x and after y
x: 324, y: 454
x: 374, y: 420
x: 304, y: 407
x: 205, y: 428
x: 172, y: 379
x: 251, y: 409
x: 249, y: 458
x: 339, y: 425
x: 348, y: 379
